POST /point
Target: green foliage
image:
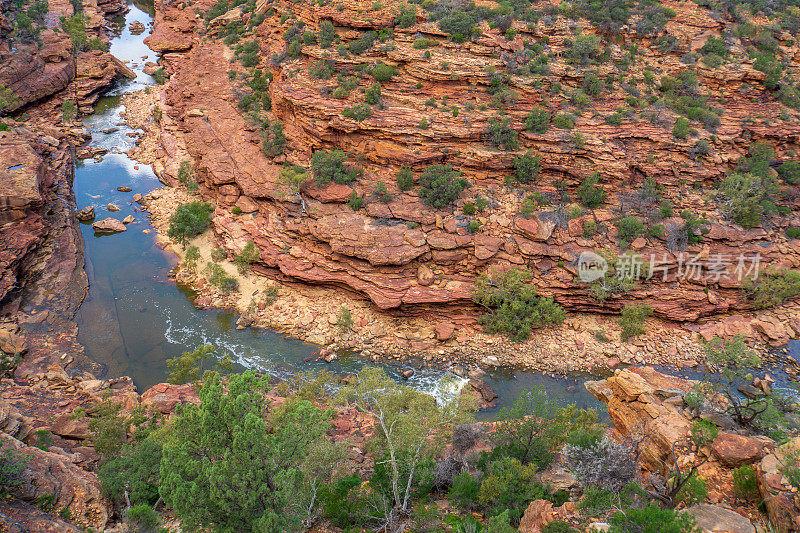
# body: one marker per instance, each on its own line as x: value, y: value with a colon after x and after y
x: 405, y: 19
x: 363, y: 44
x: 246, y: 257
x: 12, y: 466
x: 405, y: 179
x: 383, y: 72
x: 564, y: 121
x: 219, y: 278
x: 355, y: 202
x: 382, y: 194
x: 704, y: 432
x: 589, y: 193
x: 745, y: 484
x: 135, y: 472
x: 457, y: 24
x: 652, y: 519
x: 327, y: 34
x: 189, y: 220
x: 681, y: 128
x: 536, y: 426
x: 373, y: 94
x: 501, y: 134
x: 789, y: 171
x: 772, y: 288
x: 508, y: 485
x: 344, y: 320
x: 142, y: 519
x: 584, y: 49
x: 693, y: 491
x: 185, y: 172
x: 421, y: 43
x: 632, y: 319
x: 514, y: 306
x: 218, y: 254
x: 328, y: 166
x: 324, y: 69
x: 464, y: 491
x: 527, y: 167
x: 357, y: 112
x: 629, y: 228
x: 75, y: 27
x: 538, y: 120
x: 558, y: 526
x: 341, y: 502
x: 410, y: 427
x: 734, y: 362
x: 715, y: 45
x: 159, y: 76
x: 69, y: 110
x: 747, y: 198
x: 194, y: 365
x: 273, y: 142
x: 793, y: 232
x: 440, y: 185
x: 226, y: 468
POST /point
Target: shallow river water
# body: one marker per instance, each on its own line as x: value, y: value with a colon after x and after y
x: 135, y: 318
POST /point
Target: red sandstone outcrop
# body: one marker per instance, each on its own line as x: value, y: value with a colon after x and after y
x: 380, y: 250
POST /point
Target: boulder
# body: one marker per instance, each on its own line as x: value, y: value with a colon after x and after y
x: 12, y: 343
x: 718, y: 519
x: 113, y: 207
x: 424, y: 275
x: 733, y: 450
x: 87, y: 213
x: 128, y: 219
x: 71, y: 427
x: 136, y: 27
x: 487, y: 394
x: 780, y: 498
x: 538, y: 514
x: 138, y: 198
x: 109, y: 225
x: 124, y: 188
x: 444, y: 331
x: 164, y: 397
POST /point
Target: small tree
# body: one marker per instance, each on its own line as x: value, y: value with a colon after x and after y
x: 225, y: 468
x: 527, y: 167
x: 536, y: 426
x: 515, y: 307
x: 410, y: 427
x: 589, y: 193
x: 189, y: 220
x: 328, y: 166
x: 405, y: 179
x: 632, y: 320
x: 440, y: 185
x: 191, y: 366
x: 501, y: 134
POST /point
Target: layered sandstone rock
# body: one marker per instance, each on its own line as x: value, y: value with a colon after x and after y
x: 315, y: 237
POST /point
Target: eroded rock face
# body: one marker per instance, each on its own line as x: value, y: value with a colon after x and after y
x: 404, y: 253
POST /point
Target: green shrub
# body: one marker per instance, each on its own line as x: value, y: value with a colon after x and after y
x: 632, y: 319
x: 274, y: 141
x: 589, y: 228
x: 421, y: 43
x: 793, y: 232
x: 135, y: 471
x: 246, y: 257
x: 457, y: 24
x: 357, y: 112
x: 564, y: 121
x: 440, y: 185
x: 772, y: 288
x: 789, y: 172
x: 745, y: 484
x: 704, y: 432
x: 343, y: 503
x: 469, y: 209
x: 219, y: 278
x: 538, y: 120
x: 464, y: 491
x: 715, y: 45
x: 381, y: 193
x: 405, y: 19
x: 383, y: 72
x: 323, y: 69
x: 681, y: 128
x: 191, y: 257
x: 629, y: 228
x: 501, y: 135
x: 558, y: 526
x: 189, y: 220
x: 328, y: 166
x: 693, y: 491
x: 363, y: 44
x: 355, y: 202
x: 508, y: 485
x: 327, y: 34
x: 344, y: 320
x: 69, y: 110
x: 614, y: 119
x: 473, y: 226
x: 652, y: 519
x: 218, y: 254
x: 405, y: 179
x: 527, y: 167
x: 142, y: 518
x: 516, y: 307
x: 747, y: 198
x: 12, y: 467
x: 589, y: 193
x: 373, y: 94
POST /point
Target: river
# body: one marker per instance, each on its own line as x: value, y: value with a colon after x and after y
x: 135, y: 318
